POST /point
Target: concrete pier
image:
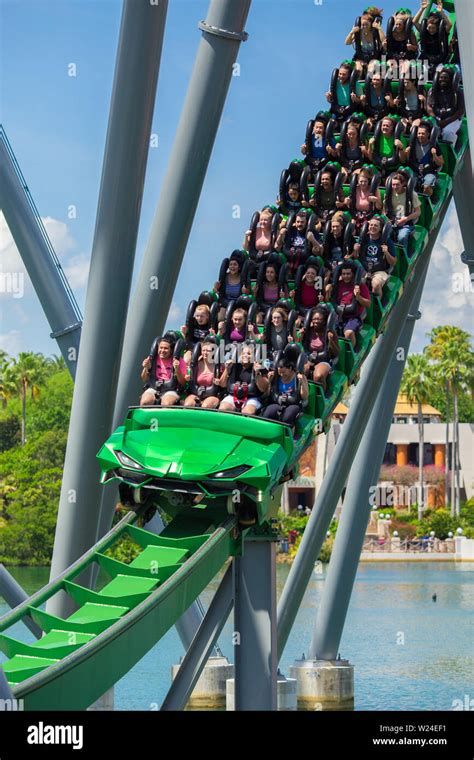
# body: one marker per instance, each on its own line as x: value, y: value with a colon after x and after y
x: 286, y: 694
x: 324, y: 684
x: 105, y: 703
x: 210, y: 690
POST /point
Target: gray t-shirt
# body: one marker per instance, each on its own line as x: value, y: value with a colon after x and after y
x: 278, y: 339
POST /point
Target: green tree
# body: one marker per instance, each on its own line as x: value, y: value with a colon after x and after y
x: 453, y: 362
x: 23, y: 375
x: 416, y: 384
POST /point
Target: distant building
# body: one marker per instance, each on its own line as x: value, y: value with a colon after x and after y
x: 402, y: 449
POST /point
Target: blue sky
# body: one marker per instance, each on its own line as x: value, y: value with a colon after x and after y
x: 57, y: 125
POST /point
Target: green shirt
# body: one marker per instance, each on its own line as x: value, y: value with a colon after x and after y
x: 387, y: 147
x: 343, y: 94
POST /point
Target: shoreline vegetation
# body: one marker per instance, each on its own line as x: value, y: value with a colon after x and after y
x: 35, y: 401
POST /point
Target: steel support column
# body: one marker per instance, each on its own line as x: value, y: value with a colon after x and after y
x: 5, y: 691
x: 464, y: 198
x: 118, y: 213
x: 375, y: 369
x: 465, y: 25
x: 39, y: 258
x: 464, y: 184
x: 331, y: 615
x: 198, y: 652
x: 14, y: 595
x: 222, y: 34
x: 255, y: 627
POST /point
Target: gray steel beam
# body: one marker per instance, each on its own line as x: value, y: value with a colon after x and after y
x: 198, y: 652
x: 464, y: 199
x: 255, y: 627
x: 118, y: 214
x: 375, y: 369
x: 464, y: 185
x: 465, y: 25
x: 221, y: 36
x: 331, y: 615
x: 14, y: 595
x: 36, y: 251
x: 5, y: 691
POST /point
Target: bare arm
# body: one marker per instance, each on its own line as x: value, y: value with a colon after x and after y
x: 146, y: 367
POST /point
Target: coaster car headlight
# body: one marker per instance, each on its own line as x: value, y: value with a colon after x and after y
x: 126, y: 461
x: 233, y: 472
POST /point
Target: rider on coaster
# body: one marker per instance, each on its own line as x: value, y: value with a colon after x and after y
x: 377, y: 256
x: 433, y: 35
x: 342, y: 95
x: 425, y: 158
x: 288, y: 392
x: 163, y: 373
x: 364, y: 199
x: 351, y: 300
x: 446, y: 103
x: 317, y: 149
x: 205, y: 377
x: 321, y: 345
x: 246, y: 384
x: 367, y: 36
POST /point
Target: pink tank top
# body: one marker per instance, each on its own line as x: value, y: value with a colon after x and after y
x: 205, y: 378
x: 263, y: 240
x: 316, y: 343
x: 362, y: 199
x: 270, y: 293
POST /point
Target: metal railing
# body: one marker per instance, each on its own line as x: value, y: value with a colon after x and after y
x: 414, y: 546
x: 39, y: 222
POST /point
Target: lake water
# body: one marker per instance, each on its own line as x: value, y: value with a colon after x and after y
x: 409, y: 652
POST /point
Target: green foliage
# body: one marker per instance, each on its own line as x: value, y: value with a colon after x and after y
x: 10, y: 432
x: 437, y: 398
x: 286, y: 523
x: 31, y: 481
x: 326, y: 550
x: 53, y: 409
x: 440, y: 521
x: 125, y: 550
x: 467, y: 513
x: 292, y: 522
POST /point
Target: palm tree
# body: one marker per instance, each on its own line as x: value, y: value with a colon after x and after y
x: 417, y: 382
x: 27, y: 372
x: 450, y: 349
x: 54, y: 364
x: 4, y: 359
x: 7, y: 384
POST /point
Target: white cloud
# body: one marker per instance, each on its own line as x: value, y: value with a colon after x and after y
x: 175, y: 313
x: 446, y: 297
x: 12, y: 342
x: 59, y: 235
x: 76, y: 266
x: 77, y: 271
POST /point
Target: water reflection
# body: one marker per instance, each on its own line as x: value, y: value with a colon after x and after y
x: 409, y: 652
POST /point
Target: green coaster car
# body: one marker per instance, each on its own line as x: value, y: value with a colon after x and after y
x: 177, y: 458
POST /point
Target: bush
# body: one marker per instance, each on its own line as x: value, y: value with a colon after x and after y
x: 10, y: 432
x: 405, y: 530
x: 403, y: 476
x: 29, y: 496
x: 326, y: 550
x: 292, y: 522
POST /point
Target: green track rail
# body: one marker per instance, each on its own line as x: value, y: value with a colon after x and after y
x: 80, y: 657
